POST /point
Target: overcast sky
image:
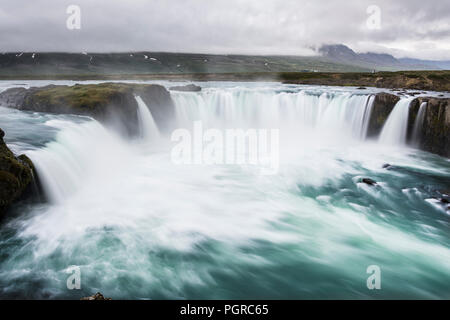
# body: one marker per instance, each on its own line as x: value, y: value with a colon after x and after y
x: 414, y: 28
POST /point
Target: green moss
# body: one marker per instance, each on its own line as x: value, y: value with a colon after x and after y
x: 80, y: 96
x: 15, y: 175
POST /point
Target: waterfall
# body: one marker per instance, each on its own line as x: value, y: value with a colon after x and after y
x: 80, y: 153
x: 395, y: 128
x: 342, y: 114
x: 367, y: 115
x: 418, y: 124
x: 148, y: 128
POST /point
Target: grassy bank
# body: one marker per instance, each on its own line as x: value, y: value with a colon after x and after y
x: 418, y: 80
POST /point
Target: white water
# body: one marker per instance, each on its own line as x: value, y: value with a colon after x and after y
x: 418, y: 124
x: 141, y: 227
x: 333, y: 115
x: 149, y: 129
x: 395, y: 129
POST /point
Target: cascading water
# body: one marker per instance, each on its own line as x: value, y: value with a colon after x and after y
x: 139, y: 226
x: 395, y: 129
x: 341, y: 114
x: 418, y: 124
x: 149, y: 129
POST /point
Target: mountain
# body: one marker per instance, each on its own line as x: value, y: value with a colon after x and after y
x: 331, y: 58
x: 53, y: 63
x: 435, y: 64
x: 378, y: 61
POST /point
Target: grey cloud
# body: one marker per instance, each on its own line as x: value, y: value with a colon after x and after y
x: 415, y: 28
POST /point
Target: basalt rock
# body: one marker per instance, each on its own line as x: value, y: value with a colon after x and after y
x: 381, y: 108
x: 109, y: 103
x: 16, y: 176
x: 435, y: 131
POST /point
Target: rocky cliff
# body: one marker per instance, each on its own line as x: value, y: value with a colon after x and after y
x: 435, y: 131
x: 382, y: 107
x: 109, y: 103
x: 16, y: 176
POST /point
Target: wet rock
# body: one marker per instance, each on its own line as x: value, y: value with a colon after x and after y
x: 435, y: 133
x: 386, y: 166
x: 16, y: 176
x: 361, y: 88
x: 187, y: 88
x: 109, y: 103
x: 382, y: 107
x: 369, y: 181
x: 97, y: 296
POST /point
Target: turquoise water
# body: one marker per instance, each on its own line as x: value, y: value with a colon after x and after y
x: 140, y: 227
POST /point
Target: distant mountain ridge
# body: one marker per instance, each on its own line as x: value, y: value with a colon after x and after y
x: 378, y: 61
x: 331, y: 58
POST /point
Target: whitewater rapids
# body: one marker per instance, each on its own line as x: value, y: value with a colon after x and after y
x: 140, y: 227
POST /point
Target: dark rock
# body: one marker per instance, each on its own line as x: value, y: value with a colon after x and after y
x: 187, y: 88
x: 16, y: 176
x: 361, y: 88
x: 369, y: 181
x: 387, y: 166
x: 109, y: 103
x: 97, y: 296
x: 382, y: 107
x: 435, y: 133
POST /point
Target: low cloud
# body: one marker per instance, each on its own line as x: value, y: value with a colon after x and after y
x: 419, y: 29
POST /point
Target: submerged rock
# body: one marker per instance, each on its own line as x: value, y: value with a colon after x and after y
x: 435, y: 132
x: 187, y: 88
x: 16, y: 176
x: 369, y: 181
x: 97, y: 296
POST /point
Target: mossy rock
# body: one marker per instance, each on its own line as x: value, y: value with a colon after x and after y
x: 105, y: 102
x: 16, y: 176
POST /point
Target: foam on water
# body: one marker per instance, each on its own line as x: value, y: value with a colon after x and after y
x: 140, y: 226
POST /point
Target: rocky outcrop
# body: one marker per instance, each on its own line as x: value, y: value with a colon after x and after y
x: 16, y: 176
x: 97, y: 296
x: 435, y: 131
x: 110, y: 103
x: 187, y: 88
x: 382, y: 107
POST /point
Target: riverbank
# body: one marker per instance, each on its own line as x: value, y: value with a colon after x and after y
x: 414, y: 80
